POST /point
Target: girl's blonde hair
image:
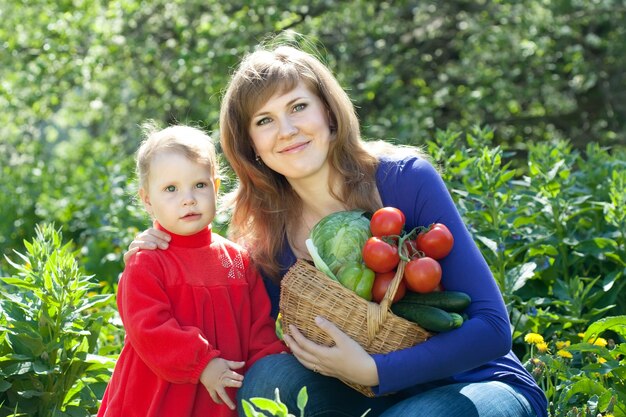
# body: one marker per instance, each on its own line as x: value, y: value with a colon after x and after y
x: 191, y: 142
x: 265, y: 209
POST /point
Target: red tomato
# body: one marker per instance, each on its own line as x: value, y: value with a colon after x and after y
x: 381, y: 283
x: 387, y: 221
x: 422, y: 274
x: 380, y: 256
x: 436, y: 242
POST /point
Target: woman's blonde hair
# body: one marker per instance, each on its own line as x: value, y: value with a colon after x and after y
x: 265, y: 209
x: 191, y: 142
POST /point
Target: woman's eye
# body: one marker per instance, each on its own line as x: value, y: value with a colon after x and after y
x: 263, y: 121
x: 170, y: 188
x: 299, y: 107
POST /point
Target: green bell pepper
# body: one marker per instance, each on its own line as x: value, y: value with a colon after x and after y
x: 357, y: 277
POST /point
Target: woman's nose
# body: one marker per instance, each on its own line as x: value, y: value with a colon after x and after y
x: 287, y: 129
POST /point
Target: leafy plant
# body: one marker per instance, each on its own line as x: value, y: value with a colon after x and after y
x: 587, y: 378
x: 275, y: 407
x: 50, y: 322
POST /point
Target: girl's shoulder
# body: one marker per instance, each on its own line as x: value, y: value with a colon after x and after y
x: 219, y: 242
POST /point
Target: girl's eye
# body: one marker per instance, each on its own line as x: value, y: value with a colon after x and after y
x: 170, y: 188
x: 263, y: 121
x: 299, y: 107
x: 201, y: 185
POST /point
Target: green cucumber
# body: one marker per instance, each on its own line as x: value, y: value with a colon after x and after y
x: 428, y: 317
x: 455, y: 301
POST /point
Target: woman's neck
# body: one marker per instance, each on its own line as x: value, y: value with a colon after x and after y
x: 317, y: 199
x: 317, y: 202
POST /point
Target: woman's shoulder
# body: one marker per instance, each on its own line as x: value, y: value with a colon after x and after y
x: 405, y: 165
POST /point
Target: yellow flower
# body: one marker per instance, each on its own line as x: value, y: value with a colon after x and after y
x: 542, y: 347
x: 533, y: 338
x: 600, y: 342
x: 564, y: 354
x: 562, y: 344
x: 601, y: 360
x: 581, y: 335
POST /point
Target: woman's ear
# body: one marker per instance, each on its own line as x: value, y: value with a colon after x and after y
x: 145, y: 199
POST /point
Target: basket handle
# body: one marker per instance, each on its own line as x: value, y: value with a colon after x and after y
x: 377, y: 313
x: 385, y: 304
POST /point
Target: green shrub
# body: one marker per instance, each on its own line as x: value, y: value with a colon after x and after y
x: 582, y: 375
x: 50, y: 322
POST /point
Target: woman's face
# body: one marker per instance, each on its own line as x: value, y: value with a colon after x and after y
x: 291, y: 133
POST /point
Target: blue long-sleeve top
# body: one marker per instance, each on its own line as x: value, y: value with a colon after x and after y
x: 480, y: 349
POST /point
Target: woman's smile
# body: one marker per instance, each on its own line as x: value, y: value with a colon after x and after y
x: 296, y: 147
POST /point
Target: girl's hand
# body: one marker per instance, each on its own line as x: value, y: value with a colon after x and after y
x: 148, y: 239
x: 218, y: 375
x: 346, y: 359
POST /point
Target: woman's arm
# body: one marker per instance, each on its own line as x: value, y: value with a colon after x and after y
x: 415, y: 187
x: 150, y: 239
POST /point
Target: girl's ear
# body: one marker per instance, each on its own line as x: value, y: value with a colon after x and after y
x: 145, y: 199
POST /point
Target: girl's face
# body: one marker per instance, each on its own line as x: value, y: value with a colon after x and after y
x: 180, y: 194
x: 291, y: 133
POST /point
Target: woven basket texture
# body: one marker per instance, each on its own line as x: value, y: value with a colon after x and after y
x: 306, y: 293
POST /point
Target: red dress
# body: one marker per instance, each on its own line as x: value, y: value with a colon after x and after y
x: 181, y: 307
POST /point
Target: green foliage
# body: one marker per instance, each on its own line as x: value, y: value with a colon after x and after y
x: 583, y: 378
x: 50, y: 321
x: 274, y: 407
x: 552, y: 232
x: 80, y: 77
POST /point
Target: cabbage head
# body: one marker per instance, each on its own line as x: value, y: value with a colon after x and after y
x: 337, y: 239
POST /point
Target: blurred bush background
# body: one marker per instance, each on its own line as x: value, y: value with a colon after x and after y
x: 79, y: 76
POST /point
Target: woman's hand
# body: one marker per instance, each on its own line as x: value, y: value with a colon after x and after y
x: 148, y: 239
x: 346, y: 359
x: 219, y: 374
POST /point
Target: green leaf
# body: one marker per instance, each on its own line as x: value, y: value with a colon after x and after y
x: 265, y: 404
x: 4, y: 385
x: 517, y: 276
x: 585, y: 386
x: 94, y: 301
x: 615, y: 323
x: 27, y: 343
x: 21, y: 283
x: 249, y: 410
x: 490, y: 244
x: 303, y: 398
x: 318, y: 261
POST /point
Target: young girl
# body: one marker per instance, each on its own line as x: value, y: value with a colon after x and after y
x: 197, y: 315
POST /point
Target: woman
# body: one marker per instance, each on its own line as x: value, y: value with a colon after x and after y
x: 292, y: 137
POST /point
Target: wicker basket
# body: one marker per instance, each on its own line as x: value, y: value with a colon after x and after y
x: 306, y: 293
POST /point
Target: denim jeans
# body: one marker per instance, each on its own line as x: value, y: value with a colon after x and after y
x: 329, y: 397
